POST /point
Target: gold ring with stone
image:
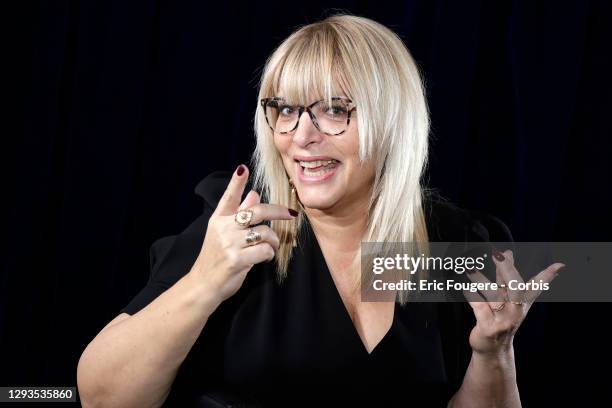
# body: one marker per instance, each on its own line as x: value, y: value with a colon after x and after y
x: 243, y: 218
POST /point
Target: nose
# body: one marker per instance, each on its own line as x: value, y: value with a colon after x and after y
x: 306, y: 132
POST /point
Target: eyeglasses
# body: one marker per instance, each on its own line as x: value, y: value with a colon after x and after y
x: 331, y: 118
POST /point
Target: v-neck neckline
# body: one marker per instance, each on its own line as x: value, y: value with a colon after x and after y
x: 346, y: 316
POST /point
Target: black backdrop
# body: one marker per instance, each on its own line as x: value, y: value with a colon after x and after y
x: 117, y: 109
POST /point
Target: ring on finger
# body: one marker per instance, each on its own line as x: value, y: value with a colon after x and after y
x: 243, y: 218
x: 499, y: 307
x: 519, y: 300
x: 252, y: 237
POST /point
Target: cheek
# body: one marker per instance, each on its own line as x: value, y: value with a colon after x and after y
x: 282, y: 144
x: 350, y: 148
x: 358, y: 172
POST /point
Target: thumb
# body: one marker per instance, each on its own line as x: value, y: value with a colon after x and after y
x: 251, y: 199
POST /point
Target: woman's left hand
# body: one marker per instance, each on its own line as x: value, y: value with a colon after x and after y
x: 499, y: 316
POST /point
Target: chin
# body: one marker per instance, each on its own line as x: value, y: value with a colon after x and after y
x: 317, y: 203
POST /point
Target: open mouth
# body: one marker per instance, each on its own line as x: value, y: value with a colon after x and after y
x: 317, y: 168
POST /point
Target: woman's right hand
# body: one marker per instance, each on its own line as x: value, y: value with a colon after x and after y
x: 225, y: 257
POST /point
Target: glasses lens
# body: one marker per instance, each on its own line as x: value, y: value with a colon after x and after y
x: 332, y: 116
x: 281, y: 117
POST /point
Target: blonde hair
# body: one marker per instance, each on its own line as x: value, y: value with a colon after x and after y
x: 367, y: 62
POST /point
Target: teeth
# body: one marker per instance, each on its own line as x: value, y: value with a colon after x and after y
x: 317, y: 168
x: 317, y: 173
x: 316, y: 163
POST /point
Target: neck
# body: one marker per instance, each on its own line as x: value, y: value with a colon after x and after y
x: 341, y: 226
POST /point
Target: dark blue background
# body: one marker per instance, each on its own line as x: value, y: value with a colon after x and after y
x: 118, y: 108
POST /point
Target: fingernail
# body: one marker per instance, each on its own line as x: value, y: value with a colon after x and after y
x: 240, y: 170
x: 560, y: 269
x: 292, y: 212
x: 498, y: 255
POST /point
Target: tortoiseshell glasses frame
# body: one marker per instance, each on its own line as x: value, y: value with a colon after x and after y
x: 270, y: 102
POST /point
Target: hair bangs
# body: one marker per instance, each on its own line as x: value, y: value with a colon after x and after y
x: 311, y: 70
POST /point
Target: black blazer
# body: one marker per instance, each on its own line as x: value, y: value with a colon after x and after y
x: 295, y: 344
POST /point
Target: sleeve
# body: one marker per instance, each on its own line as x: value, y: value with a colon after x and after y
x: 172, y: 257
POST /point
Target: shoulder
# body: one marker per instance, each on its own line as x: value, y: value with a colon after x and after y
x: 445, y: 220
x: 171, y: 257
x: 451, y: 223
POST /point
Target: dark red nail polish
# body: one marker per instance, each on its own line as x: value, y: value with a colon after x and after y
x: 293, y: 212
x: 240, y: 170
x: 498, y: 255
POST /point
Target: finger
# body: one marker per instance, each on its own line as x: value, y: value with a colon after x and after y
x: 505, y: 270
x: 267, y: 235
x: 548, y: 274
x: 545, y: 276
x: 504, y: 261
x: 259, y: 253
x: 478, y: 277
x: 229, y: 202
x: 480, y: 306
x: 473, y: 296
x: 482, y: 311
x: 263, y: 212
x: 251, y: 199
x: 497, y: 307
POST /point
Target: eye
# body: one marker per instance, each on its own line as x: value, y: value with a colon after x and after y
x: 286, y: 110
x: 336, y: 110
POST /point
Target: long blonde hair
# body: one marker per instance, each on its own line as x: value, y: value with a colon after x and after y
x: 367, y: 62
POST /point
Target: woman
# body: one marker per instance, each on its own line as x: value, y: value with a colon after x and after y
x: 261, y: 300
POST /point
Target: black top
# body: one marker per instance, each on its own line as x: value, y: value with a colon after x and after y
x: 295, y: 344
